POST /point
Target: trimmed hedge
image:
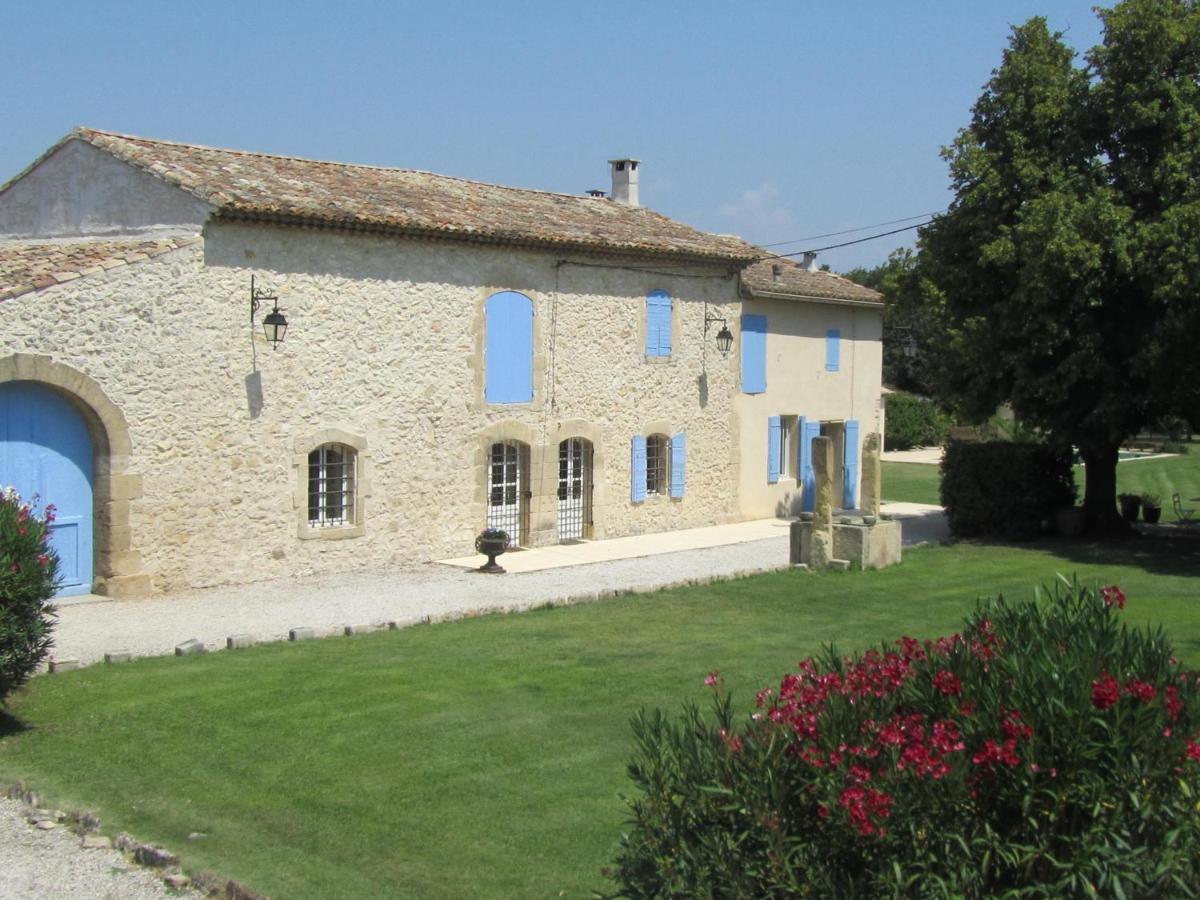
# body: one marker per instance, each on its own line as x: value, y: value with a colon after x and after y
x: 913, y: 421
x: 1005, y: 489
x: 1046, y: 750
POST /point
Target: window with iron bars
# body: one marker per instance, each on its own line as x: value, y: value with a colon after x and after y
x: 331, y: 485
x: 658, y: 465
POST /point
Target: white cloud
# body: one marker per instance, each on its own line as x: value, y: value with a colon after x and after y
x: 757, y: 214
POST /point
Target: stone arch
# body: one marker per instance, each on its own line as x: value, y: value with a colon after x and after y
x: 118, y: 565
x: 595, y: 435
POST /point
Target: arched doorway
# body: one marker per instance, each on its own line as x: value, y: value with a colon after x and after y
x: 46, y: 451
x: 508, y: 465
x: 574, y: 489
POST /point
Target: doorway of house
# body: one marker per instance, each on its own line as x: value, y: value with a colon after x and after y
x: 574, y: 490
x: 46, y: 454
x: 506, y: 489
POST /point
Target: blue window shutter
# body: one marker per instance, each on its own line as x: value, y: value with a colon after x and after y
x: 678, y: 455
x: 833, y: 350
x: 850, y: 471
x: 638, y: 468
x: 658, y: 324
x: 808, y: 433
x: 754, y: 354
x: 508, y: 348
x: 773, y: 428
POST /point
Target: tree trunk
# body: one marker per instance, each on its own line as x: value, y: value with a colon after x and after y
x: 1100, y: 491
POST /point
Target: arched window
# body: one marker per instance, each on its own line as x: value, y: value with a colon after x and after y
x: 508, y: 348
x: 332, y: 483
x: 508, y: 463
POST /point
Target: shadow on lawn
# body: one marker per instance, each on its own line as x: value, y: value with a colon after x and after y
x: 1162, y: 554
x: 10, y: 725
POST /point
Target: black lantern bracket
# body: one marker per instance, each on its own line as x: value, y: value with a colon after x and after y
x: 274, y: 323
x: 724, y: 336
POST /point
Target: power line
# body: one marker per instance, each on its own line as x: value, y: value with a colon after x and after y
x: 845, y: 244
x: 817, y: 237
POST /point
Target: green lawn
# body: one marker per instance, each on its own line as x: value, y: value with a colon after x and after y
x: 483, y: 758
x: 911, y: 482
x: 918, y: 483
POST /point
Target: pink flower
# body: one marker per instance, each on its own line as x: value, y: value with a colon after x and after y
x: 712, y: 678
x: 1105, y: 691
x: 948, y: 683
x: 1113, y: 596
x: 1140, y: 689
x: 43, y: 560
x: 1174, y: 704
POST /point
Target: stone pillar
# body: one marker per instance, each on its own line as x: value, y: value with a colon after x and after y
x: 822, y: 524
x: 871, y: 475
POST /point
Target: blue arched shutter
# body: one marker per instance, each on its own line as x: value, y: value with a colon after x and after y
x: 773, y: 430
x: 637, y: 490
x: 754, y: 354
x: 678, y: 456
x: 508, y: 348
x: 833, y: 350
x: 850, y: 470
x: 658, y: 324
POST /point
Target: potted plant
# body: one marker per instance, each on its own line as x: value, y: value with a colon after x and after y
x: 491, y: 542
x: 1131, y: 504
x: 1151, y: 508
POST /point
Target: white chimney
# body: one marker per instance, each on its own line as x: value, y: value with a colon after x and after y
x: 625, y: 180
x: 809, y: 261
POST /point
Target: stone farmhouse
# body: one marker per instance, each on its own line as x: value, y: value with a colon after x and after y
x: 456, y: 355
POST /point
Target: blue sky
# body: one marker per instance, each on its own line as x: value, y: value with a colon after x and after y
x: 776, y: 121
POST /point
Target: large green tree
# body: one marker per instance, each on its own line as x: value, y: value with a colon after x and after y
x: 1065, y: 275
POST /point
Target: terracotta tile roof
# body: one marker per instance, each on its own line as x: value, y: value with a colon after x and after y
x: 781, y: 276
x: 34, y: 266
x: 301, y: 191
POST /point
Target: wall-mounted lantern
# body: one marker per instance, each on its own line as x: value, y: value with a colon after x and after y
x: 274, y: 324
x: 724, y: 336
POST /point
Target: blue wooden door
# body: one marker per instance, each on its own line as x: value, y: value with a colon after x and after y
x: 45, y: 450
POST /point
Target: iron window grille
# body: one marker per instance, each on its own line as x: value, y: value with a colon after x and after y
x: 574, y: 489
x: 658, y: 465
x: 331, y: 485
x: 504, y: 490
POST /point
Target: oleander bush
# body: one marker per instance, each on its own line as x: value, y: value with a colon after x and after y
x: 913, y: 421
x: 28, y: 579
x: 1044, y: 750
x: 1005, y: 489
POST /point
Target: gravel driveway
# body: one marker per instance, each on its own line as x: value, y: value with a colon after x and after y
x: 36, y: 864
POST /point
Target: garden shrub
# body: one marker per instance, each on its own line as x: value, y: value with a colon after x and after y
x: 1044, y: 750
x: 1004, y: 489
x: 913, y: 421
x: 28, y: 579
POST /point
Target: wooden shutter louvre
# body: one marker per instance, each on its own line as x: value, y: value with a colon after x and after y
x: 773, y: 431
x: 678, y: 456
x: 754, y: 354
x: 638, y: 469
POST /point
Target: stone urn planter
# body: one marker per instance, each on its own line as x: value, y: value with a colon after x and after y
x: 1130, y: 505
x: 491, y: 542
x: 1151, y: 508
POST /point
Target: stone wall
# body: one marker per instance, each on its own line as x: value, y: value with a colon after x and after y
x: 385, y: 350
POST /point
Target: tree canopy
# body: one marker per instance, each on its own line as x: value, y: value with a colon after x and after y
x: 1064, y: 277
